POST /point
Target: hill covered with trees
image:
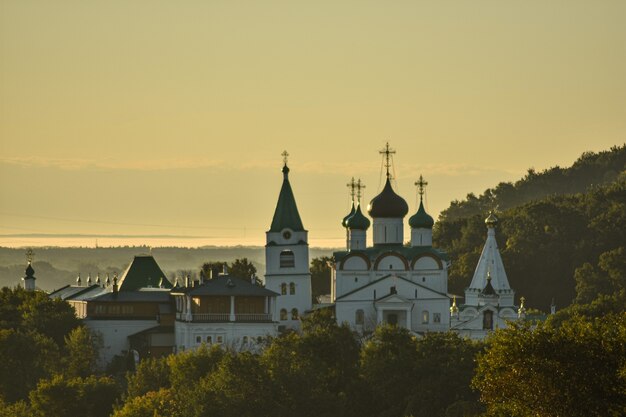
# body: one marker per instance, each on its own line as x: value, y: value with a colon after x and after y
x: 554, y: 226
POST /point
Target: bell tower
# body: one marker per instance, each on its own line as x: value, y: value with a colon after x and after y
x: 287, y: 257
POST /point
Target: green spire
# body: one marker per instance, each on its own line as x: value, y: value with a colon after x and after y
x: 286, y: 215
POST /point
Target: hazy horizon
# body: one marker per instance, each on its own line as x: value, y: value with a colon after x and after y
x: 159, y: 118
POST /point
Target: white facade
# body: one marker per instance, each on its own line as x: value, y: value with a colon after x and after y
x: 489, y: 300
x: 239, y: 336
x: 115, y: 334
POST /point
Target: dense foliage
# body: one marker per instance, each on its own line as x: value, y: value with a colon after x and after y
x: 543, y: 236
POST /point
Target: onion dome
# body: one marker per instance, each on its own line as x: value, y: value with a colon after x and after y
x: 358, y: 220
x: 345, y: 219
x: 388, y: 204
x: 491, y: 220
x: 421, y: 219
x: 30, y: 272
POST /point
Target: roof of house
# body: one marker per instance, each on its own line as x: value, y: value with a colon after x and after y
x: 156, y: 295
x: 226, y: 285
x: 143, y: 272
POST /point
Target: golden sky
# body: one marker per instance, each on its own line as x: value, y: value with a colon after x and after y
x: 169, y: 117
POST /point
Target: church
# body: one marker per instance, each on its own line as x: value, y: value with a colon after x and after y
x: 390, y: 279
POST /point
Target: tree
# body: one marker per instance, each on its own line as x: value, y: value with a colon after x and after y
x: 443, y: 371
x: 388, y: 368
x: 213, y: 269
x: 26, y: 358
x: 575, y: 369
x: 152, y: 374
x: 239, y: 387
x: 607, y: 278
x: 69, y: 397
x: 242, y: 268
x: 82, y: 353
x: 161, y: 403
x: 54, y: 318
x: 320, y: 276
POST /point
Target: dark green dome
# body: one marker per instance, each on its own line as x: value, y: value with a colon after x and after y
x: 421, y: 219
x: 358, y: 220
x: 344, y: 222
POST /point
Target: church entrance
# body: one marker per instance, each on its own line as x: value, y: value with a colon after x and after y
x: 395, y: 317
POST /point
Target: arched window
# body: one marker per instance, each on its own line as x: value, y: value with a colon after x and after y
x: 425, y: 317
x: 488, y: 320
x: 283, y: 314
x: 283, y: 289
x: 359, y: 317
x: 245, y: 340
x: 294, y: 314
x: 292, y: 288
x: 287, y: 259
x: 209, y: 340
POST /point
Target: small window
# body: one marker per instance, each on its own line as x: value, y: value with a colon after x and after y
x: 292, y: 288
x: 220, y: 340
x: 436, y: 317
x: 287, y: 259
x: 283, y: 289
x: 425, y: 317
x: 283, y: 314
x: 209, y: 339
x: 356, y: 279
x: 198, y: 339
x: 488, y: 320
x: 294, y: 314
x: 359, y: 317
x: 245, y: 340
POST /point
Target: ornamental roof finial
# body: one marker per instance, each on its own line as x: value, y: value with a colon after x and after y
x: 387, y: 152
x: 359, y: 187
x: 352, y: 186
x: 421, y: 184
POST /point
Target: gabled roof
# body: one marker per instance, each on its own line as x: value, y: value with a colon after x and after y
x: 286, y: 215
x: 386, y: 277
x: 143, y: 272
x: 148, y: 295
x: 73, y: 292
x: 226, y: 285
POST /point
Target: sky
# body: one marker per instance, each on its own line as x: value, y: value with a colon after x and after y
x: 163, y: 122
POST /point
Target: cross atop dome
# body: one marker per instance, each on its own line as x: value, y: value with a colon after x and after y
x: 359, y: 188
x: 30, y: 255
x: 352, y: 185
x: 421, y: 184
x: 387, y: 152
x: 285, y: 156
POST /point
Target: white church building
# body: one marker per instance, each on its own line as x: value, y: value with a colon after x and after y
x: 382, y: 280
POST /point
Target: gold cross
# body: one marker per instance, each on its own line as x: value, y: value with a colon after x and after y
x: 359, y: 187
x: 352, y: 185
x: 30, y: 255
x: 285, y: 155
x: 420, y: 186
x: 387, y: 152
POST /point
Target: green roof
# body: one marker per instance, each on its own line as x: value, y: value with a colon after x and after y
x: 286, y: 215
x: 358, y: 220
x: 421, y: 219
x: 372, y: 253
x: 143, y: 272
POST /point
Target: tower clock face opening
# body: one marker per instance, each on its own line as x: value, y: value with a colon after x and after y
x: 286, y: 234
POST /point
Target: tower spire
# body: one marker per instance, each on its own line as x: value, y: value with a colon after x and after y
x: 387, y: 152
